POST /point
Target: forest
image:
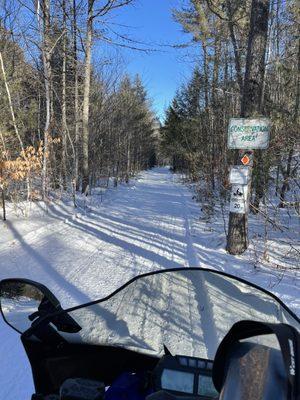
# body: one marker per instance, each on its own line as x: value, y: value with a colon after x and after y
x: 149, y: 199
x: 195, y: 131
x: 249, y: 68
x: 66, y: 122
x: 70, y: 123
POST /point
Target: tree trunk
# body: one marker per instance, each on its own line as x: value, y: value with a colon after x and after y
x: 286, y: 179
x: 128, y: 163
x: 3, y: 192
x: 76, y: 97
x: 214, y: 114
x: 295, y: 119
x: 237, y: 239
x: 86, y: 99
x: 237, y: 58
x: 43, y: 12
x: 10, y: 102
x: 206, y: 73
x: 3, y: 204
x: 64, y: 103
x: 255, y: 61
x: 260, y: 184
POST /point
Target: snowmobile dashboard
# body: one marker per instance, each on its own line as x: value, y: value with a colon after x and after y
x: 188, y: 376
x: 173, y: 378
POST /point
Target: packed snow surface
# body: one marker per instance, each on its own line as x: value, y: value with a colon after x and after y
x: 189, y: 311
x: 85, y: 253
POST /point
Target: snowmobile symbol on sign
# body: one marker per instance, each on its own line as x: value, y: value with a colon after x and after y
x: 238, y: 192
x: 239, y: 199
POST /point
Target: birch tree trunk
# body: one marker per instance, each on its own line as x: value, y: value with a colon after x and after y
x: 86, y: 98
x: 10, y: 102
x: 214, y: 113
x: 43, y: 16
x: 64, y: 103
x: 76, y: 97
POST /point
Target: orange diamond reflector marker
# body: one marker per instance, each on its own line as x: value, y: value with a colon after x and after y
x: 245, y: 160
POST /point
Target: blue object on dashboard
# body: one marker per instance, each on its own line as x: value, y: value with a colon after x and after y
x: 128, y: 386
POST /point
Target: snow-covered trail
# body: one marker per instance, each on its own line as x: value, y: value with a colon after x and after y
x: 144, y: 227
x: 151, y: 224
x: 141, y: 228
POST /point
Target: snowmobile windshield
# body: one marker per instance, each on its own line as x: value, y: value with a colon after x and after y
x: 189, y: 311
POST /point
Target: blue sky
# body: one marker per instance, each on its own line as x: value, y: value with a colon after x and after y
x: 162, y: 72
x: 150, y: 21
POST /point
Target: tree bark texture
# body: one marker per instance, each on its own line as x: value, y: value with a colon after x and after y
x: 237, y: 239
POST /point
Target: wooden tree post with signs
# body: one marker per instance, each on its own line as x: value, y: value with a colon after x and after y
x: 237, y: 239
x: 2, y: 185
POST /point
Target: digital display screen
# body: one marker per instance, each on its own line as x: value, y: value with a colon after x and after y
x: 178, y: 381
x: 206, y: 387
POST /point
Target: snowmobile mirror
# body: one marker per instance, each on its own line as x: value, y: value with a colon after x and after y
x: 23, y: 301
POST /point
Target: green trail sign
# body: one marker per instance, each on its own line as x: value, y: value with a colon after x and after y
x: 249, y: 133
